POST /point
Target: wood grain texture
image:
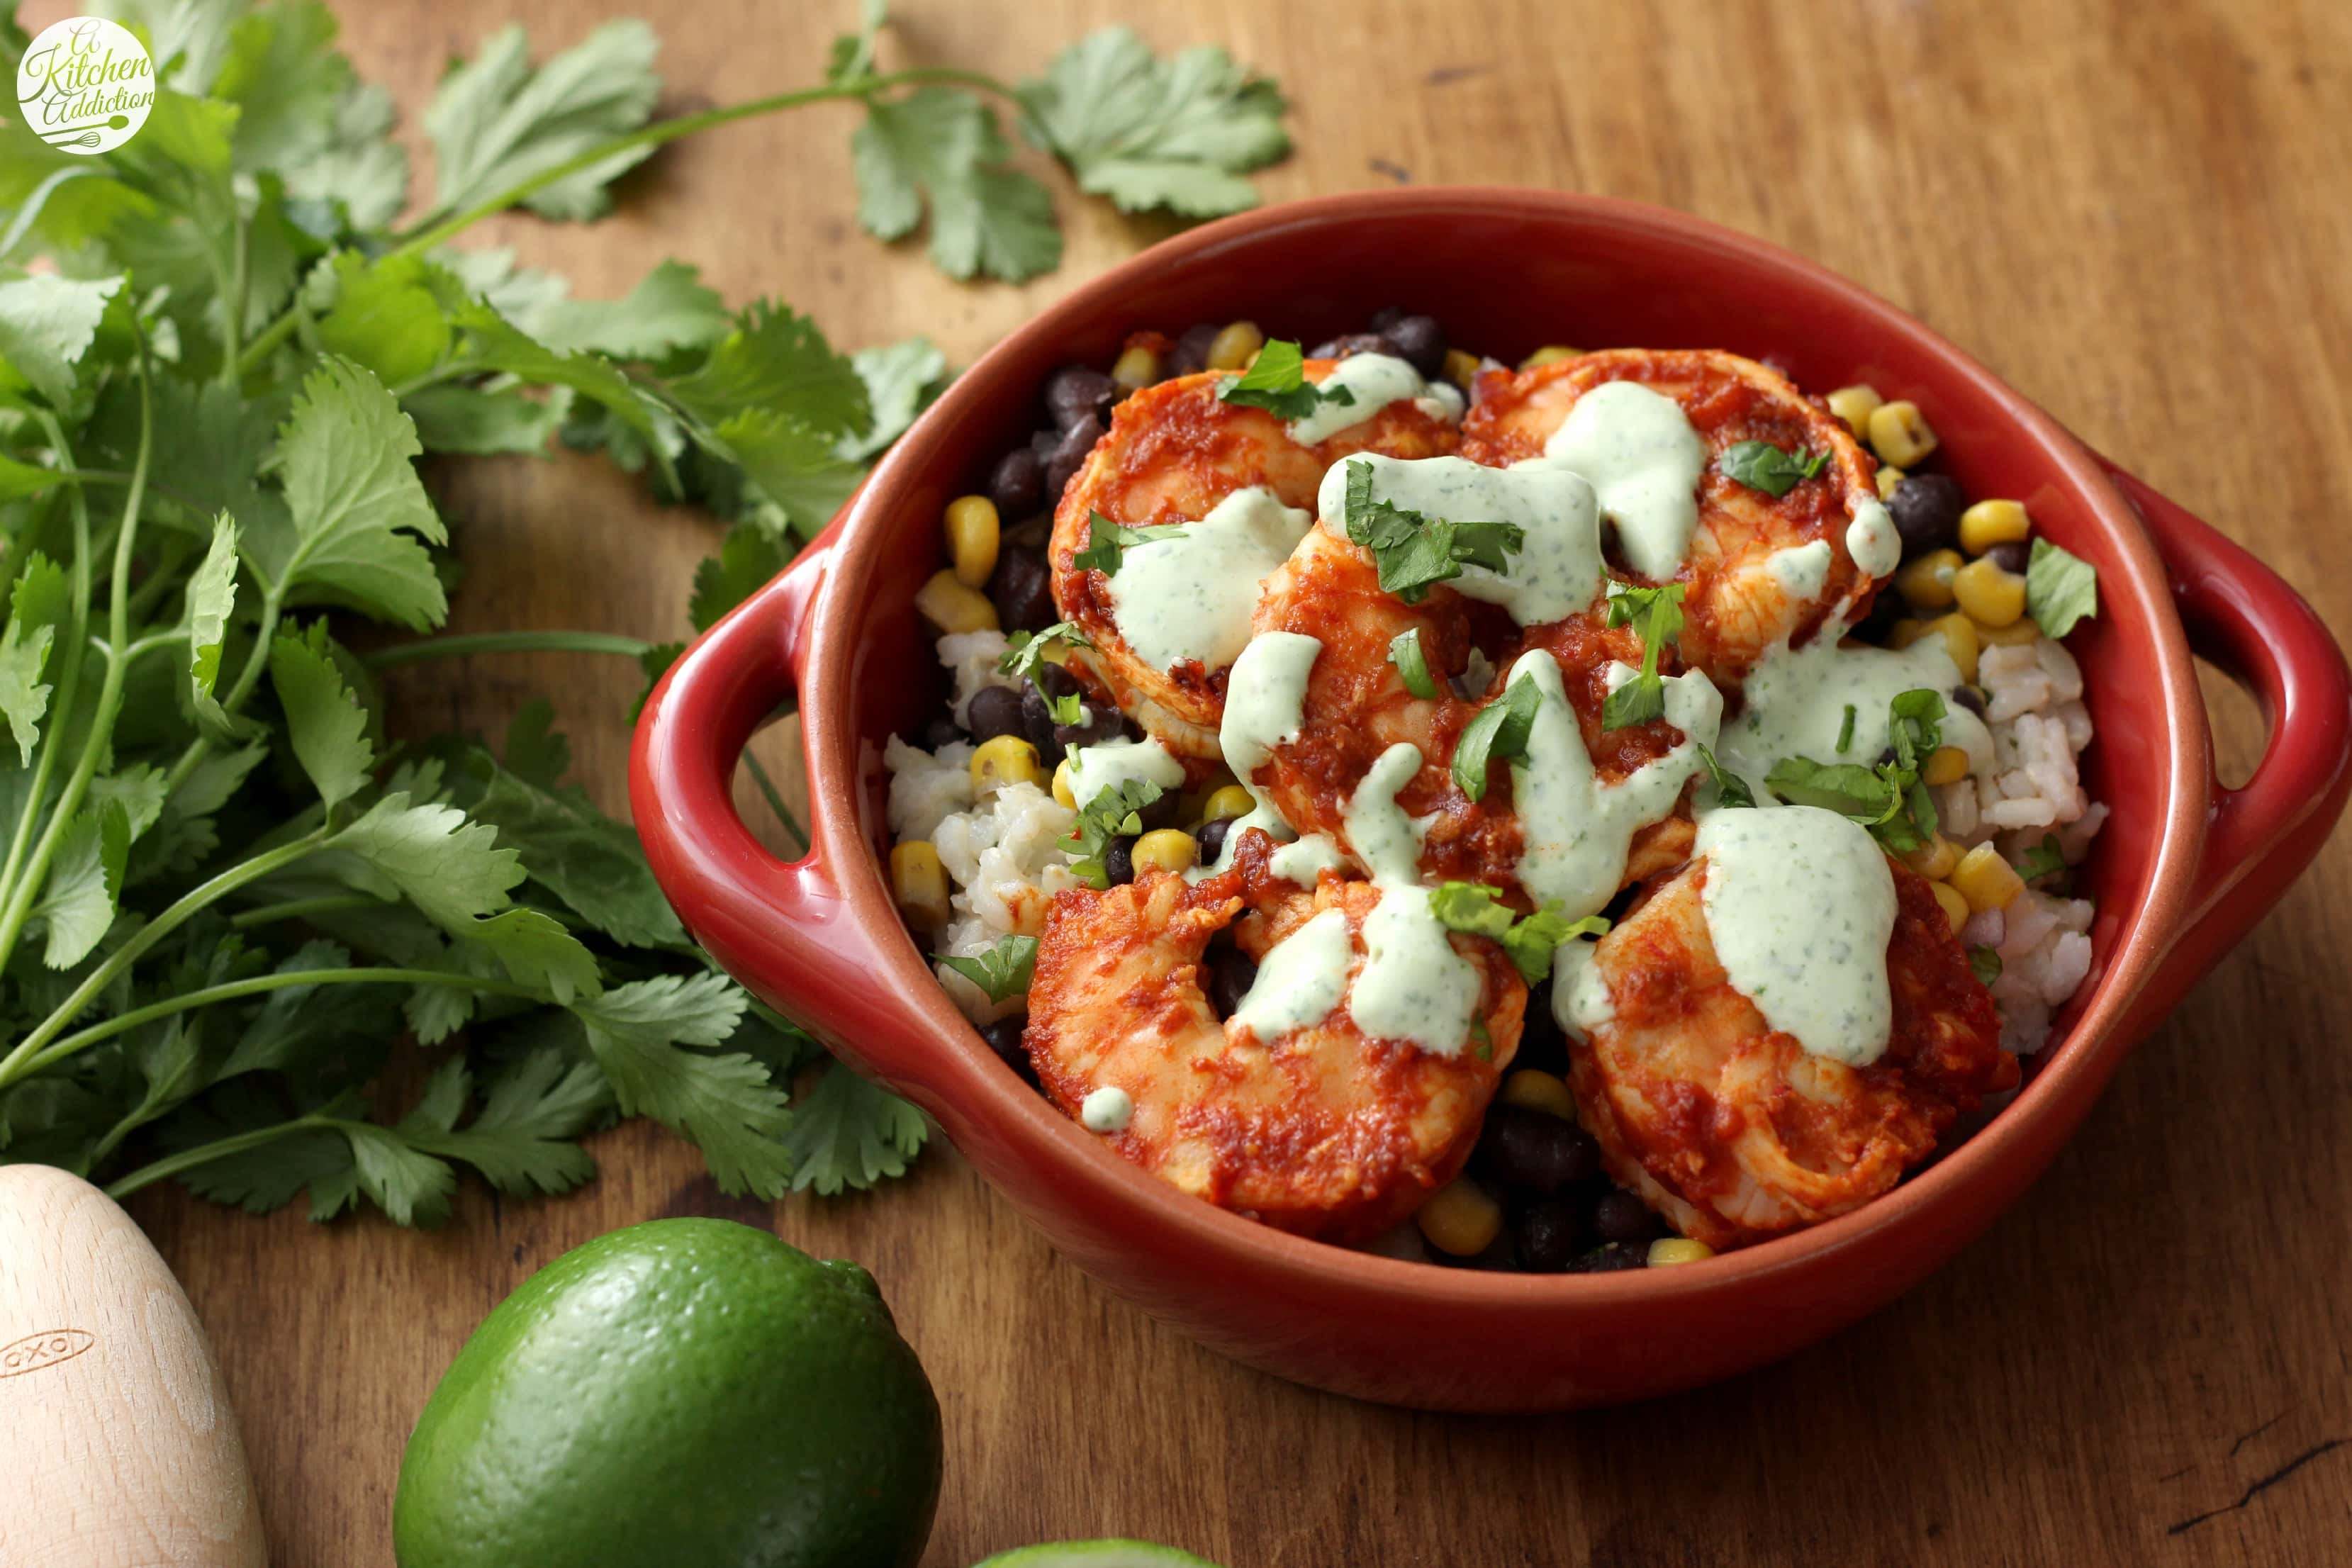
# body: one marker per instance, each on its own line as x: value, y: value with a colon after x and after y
x: 2138, y: 211
x: 116, y: 1435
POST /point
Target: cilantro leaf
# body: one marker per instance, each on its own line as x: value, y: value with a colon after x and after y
x: 643, y: 1034
x: 1277, y: 381
x: 1845, y: 731
x: 477, y: 422
x: 1497, y: 732
x: 748, y: 557
x: 670, y: 310
x: 47, y: 325
x: 1105, y: 539
x: 1178, y: 134
x: 1112, y: 813
x: 1761, y: 466
x: 1404, y: 652
x: 84, y: 882
x: 848, y: 1132
x: 1025, y: 651
x: 211, y: 594
x: 1530, y: 941
x: 41, y: 606
x: 1985, y: 963
x: 326, y: 723
x: 520, y: 1141
x: 900, y: 379
x: 772, y: 358
x: 1864, y: 794
x: 1413, y: 552
x: 591, y: 862
x: 2060, y: 588
x: 941, y: 146
x: 495, y: 121
x: 1659, y: 611
x: 2043, y: 859
x: 1889, y: 798
x: 1003, y: 971
x: 1730, y: 789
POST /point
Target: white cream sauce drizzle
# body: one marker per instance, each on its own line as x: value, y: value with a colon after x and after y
x: 1797, y: 698
x: 1801, y: 905
x: 1801, y: 568
x: 1302, y: 979
x: 1107, y: 1110
x: 1376, y: 381
x: 1578, y: 830
x: 1871, y: 540
x: 1191, y: 597
x: 1265, y: 696
x: 1094, y: 769
x: 1580, y: 1002
x: 1557, y: 570
x: 1413, y: 985
x: 1638, y: 451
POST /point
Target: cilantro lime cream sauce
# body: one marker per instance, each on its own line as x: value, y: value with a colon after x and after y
x: 1576, y: 829
x: 1558, y: 569
x: 1637, y: 449
x: 1375, y: 381
x: 1106, y: 1111
x: 1191, y: 596
x: 1579, y: 997
x: 1796, y: 700
x: 1302, y: 979
x: 1801, y: 569
x: 1264, y: 694
x: 1094, y: 769
x: 1801, y: 905
x: 1413, y: 985
x: 1871, y: 541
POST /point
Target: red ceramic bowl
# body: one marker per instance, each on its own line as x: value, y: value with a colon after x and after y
x: 2182, y: 869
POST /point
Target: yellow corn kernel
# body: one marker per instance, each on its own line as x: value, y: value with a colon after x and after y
x: 1168, y: 849
x: 1960, y: 635
x: 1136, y: 367
x: 1900, y: 434
x: 1905, y: 632
x: 1461, y: 367
x: 1986, y: 881
x: 972, y: 537
x: 952, y: 605
x: 1925, y: 583
x: 1005, y: 760
x: 1235, y: 345
x: 1855, y: 404
x: 1991, y: 596
x: 919, y: 883
x: 1461, y: 1219
x: 1956, y: 908
x: 1991, y: 522
x: 1231, y: 801
x: 1550, y: 353
x: 1539, y: 1090
x: 1936, y: 859
x: 1945, y: 764
x: 2025, y: 630
x: 1669, y: 1250
x: 1062, y: 791
x: 1889, y: 478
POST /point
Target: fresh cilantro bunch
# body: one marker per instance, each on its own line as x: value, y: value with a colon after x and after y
x: 226, y: 899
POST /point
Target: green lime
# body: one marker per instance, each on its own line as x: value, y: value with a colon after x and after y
x: 1095, y: 1554
x: 691, y: 1393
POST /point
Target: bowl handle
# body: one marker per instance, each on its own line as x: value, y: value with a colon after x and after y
x: 2246, y: 620
x: 780, y: 927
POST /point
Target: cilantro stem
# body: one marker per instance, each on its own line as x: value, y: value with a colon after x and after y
x: 233, y: 303
x: 298, y: 908
x: 473, y: 643
x: 69, y: 676
x: 776, y: 800
x: 219, y: 1149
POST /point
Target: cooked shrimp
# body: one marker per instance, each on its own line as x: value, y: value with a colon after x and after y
x: 1319, y: 1131
x: 1740, y: 600
x: 1173, y: 453
x: 1729, y: 1128
x: 1356, y: 707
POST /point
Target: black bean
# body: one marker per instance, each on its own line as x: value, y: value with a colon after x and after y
x: 1384, y: 317
x: 1926, y: 509
x: 1212, y: 838
x: 1102, y: 722
x: 1352, y: 343
x: 1191, y: 353
x: 1544, y: 1235
x: 1037, y: 718
x: 940, y: 730
x: 2012, y: 555
x: 1118, y: 860
x: 1161, y: 812
x: 1043, y: 445
x: 1231, y: 975
x: 1077, y: 395
x: 1885, y: 609
x: 1969, y: 698
x: 1021, y: 590
x: 1528, y: 1151
x: 1611, y: 1259
x: 993, y: 711
x: 1419, y: 341
x: 1003, y: 1037
x: 1018, y: 484
x: 1621, y: 1217
x: 1077, y: 442
x: 1541, y: 1045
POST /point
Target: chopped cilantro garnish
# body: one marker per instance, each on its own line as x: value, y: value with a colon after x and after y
x: 1730, y: 789
x: 1112, y: 813
x: 1412, y: 551
x: 1003, y: 971
x: 1498, y: 732
x: 1025, y: 651
x: 1658, y: 613
x: 2060, y: 588
x: 1105, y: 539
x: 1761, y: 466
x: 2043, y: 860
x: 1846, y: 731
x: 1277, y: 381
x: 1889, y: 798
x: 1530, y: 941
x: 1404, y: 652
x: 1985, y: 963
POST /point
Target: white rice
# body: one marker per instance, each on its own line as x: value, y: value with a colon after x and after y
x: 2034, y: 705
x: 971, y: 657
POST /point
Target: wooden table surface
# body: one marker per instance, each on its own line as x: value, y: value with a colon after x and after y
x: 2139, y: 212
